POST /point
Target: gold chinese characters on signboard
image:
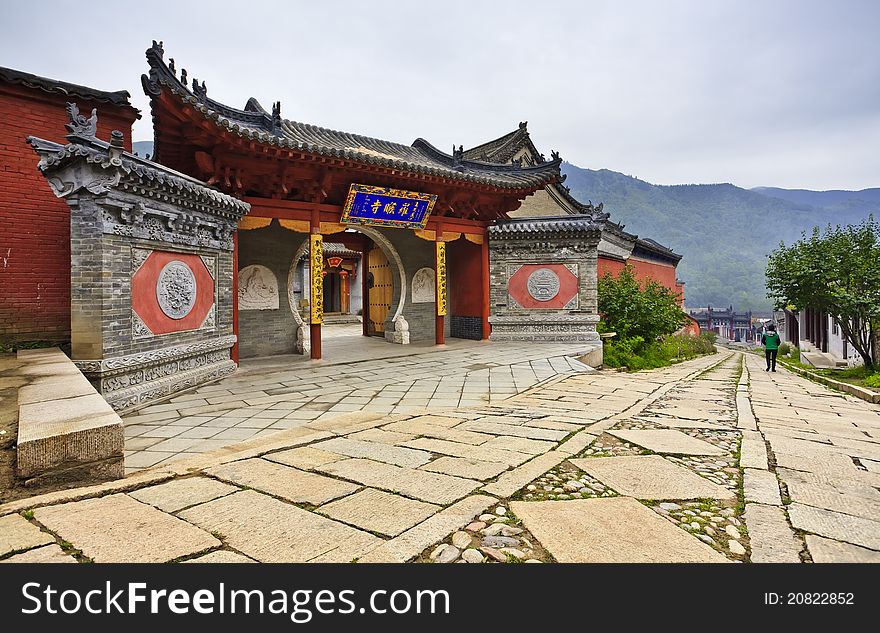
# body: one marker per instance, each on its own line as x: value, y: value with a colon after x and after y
x: 316, y: 297
x: 441, y: 278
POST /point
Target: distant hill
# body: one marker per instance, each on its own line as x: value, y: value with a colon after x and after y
x: 724, y: 232
x: 835, y: 199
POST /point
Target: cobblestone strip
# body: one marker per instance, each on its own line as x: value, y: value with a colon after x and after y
x: 412, y: 542
x: 771, y: 538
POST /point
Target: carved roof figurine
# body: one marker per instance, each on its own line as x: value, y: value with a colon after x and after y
x: 255, y: 124
x: 99, y: 167
x: 79, y: 125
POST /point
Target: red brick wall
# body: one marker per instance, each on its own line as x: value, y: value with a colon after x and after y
x: 662, y: 273
x: 34, y: 224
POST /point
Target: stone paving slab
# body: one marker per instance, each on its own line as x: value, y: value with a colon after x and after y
x: 753, y: 452
x: 456, y: 449
x: 651, y: 477
x: 577, y: 443
x: 468, y: 468
x: 221, y: 556
x: 680, y: 423
x: 832, y: 498
x: 282, y: 481
x: 304, y: 457
x: 761, y: 486
x: 48, y: 554
x: 519, y: 444
x: 419, y: 484
x: 377, y: 511
x: 667, y: 441
x: 182, y: 493
x: 17, y: 533
x: 613, y: 530
x: 399, y: 456
x: 846, y: 485
x: 513, y: 480
x: 383, y: 436
x: 414, y: 541
x: 498, y: 428
x: 771, y: 538
x: 271, y: 531
x: 825, y: 550
x: 119, y: 529
x: 835, y: 525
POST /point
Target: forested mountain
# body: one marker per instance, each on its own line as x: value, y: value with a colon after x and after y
x: 724, y: 232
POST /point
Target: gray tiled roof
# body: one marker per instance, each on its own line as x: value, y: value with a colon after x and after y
x: 54, y: 86
x: 536, y: 227
x: 256, y: 124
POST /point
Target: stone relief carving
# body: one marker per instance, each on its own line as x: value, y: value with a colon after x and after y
x: 153, y: 357
x: 257, y: 288
x: 423, y: 286
x: 543, y: 284
x: 176, y: 289
x: 138, y: 257
x: 139, y: 329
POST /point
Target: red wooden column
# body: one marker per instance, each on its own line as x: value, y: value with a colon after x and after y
x: 234, y: 353
x: 485, y: 261
x: 440, y: 285
x: 316, y: 282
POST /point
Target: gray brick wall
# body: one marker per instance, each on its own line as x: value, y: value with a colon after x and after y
x: 269, y: 332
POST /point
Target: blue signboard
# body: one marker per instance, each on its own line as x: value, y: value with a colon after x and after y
x: 387, y: 207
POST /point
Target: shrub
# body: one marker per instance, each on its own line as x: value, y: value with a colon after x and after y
x: 784, y: 349
x: 635, y: 354
x: 873, y: 381
x: 795, y: 354
x: 633, y: 308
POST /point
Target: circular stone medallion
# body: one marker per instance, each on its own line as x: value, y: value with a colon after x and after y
x: 543, y: 284
x: 176, y: 289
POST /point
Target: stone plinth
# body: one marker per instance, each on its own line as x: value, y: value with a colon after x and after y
x: 65, y: 428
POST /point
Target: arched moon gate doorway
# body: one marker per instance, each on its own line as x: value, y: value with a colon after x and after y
x: 391, y: 299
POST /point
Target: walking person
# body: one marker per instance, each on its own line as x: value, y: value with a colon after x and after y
x: 771, y: 341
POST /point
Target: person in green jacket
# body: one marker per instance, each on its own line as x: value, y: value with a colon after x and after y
x: 771, y: 341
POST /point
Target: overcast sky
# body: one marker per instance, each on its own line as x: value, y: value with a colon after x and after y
x: 750, y: 92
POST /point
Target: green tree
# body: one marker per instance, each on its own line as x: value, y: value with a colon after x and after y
x: 635, y: 309
x: 836, y: 271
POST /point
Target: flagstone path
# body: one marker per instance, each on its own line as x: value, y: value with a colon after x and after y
x: 711, y: 460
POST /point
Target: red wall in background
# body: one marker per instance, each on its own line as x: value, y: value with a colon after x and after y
x: 662, y: 273
x: 34, y: 224
x: 465, y: 270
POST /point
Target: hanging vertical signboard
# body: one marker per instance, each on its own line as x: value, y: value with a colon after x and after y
x: 316, y: 297
x: 441, y: 278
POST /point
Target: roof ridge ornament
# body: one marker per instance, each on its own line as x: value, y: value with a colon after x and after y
x: 458, y: 157
x: 79, y: 125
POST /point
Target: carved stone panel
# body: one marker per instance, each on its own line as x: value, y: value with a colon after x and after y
x: 257, y: 288
x: 423, y: 286
x: 176, y: 290
x: 543, y: 284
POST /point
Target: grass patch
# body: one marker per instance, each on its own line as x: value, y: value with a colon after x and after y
x: 635, y: 354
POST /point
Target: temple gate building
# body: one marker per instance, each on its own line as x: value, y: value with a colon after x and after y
x: 246, y: 230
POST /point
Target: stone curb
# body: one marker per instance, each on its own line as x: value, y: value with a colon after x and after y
x: 853, y: 390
